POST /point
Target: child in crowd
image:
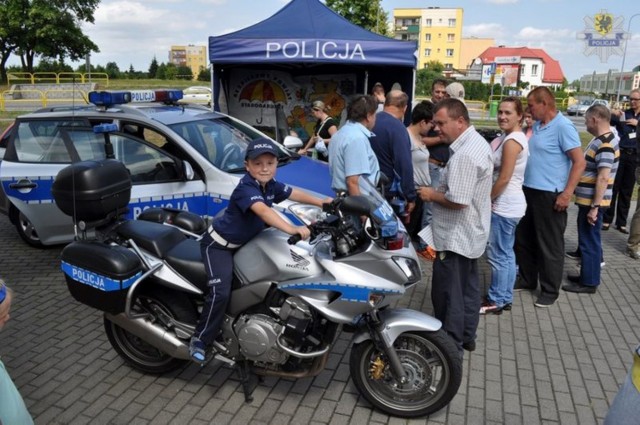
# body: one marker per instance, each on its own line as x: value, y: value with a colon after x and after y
x: 248, y: 213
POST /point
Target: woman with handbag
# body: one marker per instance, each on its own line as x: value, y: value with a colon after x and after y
x: 326, y: 127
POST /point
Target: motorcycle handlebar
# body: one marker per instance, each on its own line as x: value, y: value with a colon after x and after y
x: 294, y: 239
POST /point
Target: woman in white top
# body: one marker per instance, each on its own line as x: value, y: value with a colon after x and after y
x: 420, y: 126
x: 508, y: 204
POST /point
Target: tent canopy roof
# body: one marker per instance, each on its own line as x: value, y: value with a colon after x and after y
x: 309, y: 31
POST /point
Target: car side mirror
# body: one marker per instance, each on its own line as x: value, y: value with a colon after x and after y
x: 292, y: 142
x: 189, y: 174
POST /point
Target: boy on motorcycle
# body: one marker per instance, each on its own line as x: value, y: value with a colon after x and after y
x: 248, y: 213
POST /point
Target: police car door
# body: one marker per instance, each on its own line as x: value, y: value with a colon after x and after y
x: 159, y: 179
x: 35, y: 153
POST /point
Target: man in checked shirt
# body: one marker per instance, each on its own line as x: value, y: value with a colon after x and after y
x: 460, y: 222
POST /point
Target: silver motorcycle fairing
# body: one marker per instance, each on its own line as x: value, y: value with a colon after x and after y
x: 397, y: 321
x: 268, y: 257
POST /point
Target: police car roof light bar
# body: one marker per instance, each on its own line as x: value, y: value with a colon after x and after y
x: 167, y: 96
x: 107, y: 99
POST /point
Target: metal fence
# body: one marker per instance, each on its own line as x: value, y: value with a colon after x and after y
x: 57, y: 78
x: 31, y: 99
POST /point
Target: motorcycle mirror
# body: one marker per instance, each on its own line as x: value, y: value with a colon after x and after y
x: 358, y: 205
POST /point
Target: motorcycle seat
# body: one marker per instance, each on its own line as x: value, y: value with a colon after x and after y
x: 155, y: 238
x: 186, y: 259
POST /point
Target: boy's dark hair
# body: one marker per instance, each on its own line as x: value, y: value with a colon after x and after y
x: 455, y: 109
x: 360, y: 106
x: 422, y: 111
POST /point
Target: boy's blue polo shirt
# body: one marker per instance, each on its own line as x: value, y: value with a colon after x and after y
x: 239, y: 224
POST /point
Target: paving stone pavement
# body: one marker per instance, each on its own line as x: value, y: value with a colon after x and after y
x: 561, y: 365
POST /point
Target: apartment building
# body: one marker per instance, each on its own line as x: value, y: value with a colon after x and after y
x: 195, y: 57
x: 438, y: 32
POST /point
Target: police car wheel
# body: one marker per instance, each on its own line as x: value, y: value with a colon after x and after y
x: 27, y: 231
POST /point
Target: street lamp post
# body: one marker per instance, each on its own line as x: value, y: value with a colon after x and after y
x: 624, y: 56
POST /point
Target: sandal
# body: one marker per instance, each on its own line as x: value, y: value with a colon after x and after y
x: 605, y: 226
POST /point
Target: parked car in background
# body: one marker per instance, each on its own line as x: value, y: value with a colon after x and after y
x: 179, y: 156
x: 198, y: 95
x: 581, y: 107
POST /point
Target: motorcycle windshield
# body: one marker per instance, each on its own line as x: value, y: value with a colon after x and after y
x: 381, y: 212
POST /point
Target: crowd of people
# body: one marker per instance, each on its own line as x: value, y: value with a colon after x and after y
x: 507, y: 199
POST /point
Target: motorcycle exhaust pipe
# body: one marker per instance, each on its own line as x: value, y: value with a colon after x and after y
x: 152, y: 334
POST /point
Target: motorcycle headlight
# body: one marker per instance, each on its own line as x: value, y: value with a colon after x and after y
x: 308, y: 214
x: 409, y: 267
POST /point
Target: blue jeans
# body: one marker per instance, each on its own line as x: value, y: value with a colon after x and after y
x: 502, y: 259
x: 590, y: 247
x: 625, y: 408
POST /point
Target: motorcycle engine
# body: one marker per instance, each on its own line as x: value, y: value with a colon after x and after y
x: 257, y: 334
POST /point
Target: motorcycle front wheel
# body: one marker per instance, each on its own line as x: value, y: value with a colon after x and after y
x: 431, y: 364
x: 138, y: 353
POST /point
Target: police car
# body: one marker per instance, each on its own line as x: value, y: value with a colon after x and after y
x: 179, y: 156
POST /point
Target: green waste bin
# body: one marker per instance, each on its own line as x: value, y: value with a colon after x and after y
x: 493, y: 109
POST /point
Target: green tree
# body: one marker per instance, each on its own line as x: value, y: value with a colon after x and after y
x: 435, y: 66
x: 367, y: 14
x: 10, y: 30
x: 204, y: 74
x: 52, y: 29
x: 153, y: 68
x: 425, y: 76
x: 171, y: 72
x: 184, y: 73
x: 112, y: 70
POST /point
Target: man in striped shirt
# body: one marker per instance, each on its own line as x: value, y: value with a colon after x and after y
x: 593, y: 196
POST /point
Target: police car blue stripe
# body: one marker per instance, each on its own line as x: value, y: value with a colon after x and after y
x: 352, y: 293
x: 96, y: 280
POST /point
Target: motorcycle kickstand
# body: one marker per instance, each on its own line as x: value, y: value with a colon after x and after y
x: 249, y: 380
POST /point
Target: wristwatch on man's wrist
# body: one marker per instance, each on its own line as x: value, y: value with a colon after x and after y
x: 595, y: 205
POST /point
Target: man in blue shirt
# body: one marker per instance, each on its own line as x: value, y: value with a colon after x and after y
x: 350, y: 154
x: 553, y: 170
x: 248, y: 213
x: 392, y: 146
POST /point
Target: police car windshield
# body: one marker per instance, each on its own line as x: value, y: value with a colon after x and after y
x: 222, y: 140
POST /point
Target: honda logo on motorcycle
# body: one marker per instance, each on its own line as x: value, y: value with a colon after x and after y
x: 300, y: 261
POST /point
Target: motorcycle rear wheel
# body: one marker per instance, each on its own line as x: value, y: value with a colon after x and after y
x: 137, y: 352
x: 431, y: 363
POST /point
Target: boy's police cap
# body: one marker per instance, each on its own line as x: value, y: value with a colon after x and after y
x: 260, y: 146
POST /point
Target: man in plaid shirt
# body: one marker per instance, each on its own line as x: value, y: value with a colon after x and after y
x: 459, y: 228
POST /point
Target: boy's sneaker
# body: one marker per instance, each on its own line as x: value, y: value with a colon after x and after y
x: 197, y: 350
x: 490, y: 308
x: 506, y: 307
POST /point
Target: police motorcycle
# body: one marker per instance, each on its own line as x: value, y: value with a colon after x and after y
x: 290, y: 299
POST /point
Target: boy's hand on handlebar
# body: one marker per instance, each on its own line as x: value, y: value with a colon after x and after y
x: 303, y: 231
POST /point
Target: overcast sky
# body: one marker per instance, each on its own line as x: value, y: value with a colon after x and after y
x: 132, y: 32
